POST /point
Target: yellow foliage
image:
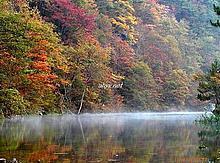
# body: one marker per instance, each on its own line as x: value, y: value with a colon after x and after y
x: 124, y: 20
x: 119, y: 24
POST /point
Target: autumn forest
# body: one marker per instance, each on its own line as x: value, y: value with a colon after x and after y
x: 74, y: 56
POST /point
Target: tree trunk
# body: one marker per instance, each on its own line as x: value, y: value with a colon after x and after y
x: 81, y: 102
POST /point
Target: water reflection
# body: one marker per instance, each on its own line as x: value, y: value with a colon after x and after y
x: 210, y: 140
x: 102, y: 138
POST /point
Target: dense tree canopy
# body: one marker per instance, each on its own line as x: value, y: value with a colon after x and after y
x: 30, y: 61
x: 60, y: 55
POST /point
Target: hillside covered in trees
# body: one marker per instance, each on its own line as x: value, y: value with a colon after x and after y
x: 103, y: 55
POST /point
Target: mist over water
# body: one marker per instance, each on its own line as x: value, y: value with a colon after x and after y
x: 123, y: 137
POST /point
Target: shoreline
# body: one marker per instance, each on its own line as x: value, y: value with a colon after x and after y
x: 165, y: 113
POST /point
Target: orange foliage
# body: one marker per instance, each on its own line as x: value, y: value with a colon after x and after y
x: 42, y: 78
x: 48, y: 153
x: 42, y: 66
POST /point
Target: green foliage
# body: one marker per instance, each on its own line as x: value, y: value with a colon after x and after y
x: 12, y: 103
x: 209, y: 137
x: 177, y: 88
x: 217, y: 11
x: 139, y: 88
x: 209, y: 85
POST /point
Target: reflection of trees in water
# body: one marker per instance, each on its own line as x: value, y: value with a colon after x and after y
x: 98, y: 139
x: 10, y: 135
x: 210, y: 139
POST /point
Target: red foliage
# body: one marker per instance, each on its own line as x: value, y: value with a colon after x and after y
x: 123, y: 54
x: 68, y: 15
x: 153, y: 1
x: 156, y: 54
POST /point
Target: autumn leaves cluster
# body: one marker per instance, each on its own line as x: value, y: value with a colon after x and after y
x: 53, y: 51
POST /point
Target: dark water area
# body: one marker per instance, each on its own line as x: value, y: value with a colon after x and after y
x: 119, y: 137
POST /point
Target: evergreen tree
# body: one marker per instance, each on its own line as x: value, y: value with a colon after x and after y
x: 217, y: 11
x: 209, y: 86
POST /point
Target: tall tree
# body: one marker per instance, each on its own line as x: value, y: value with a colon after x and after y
x: 209, y: 86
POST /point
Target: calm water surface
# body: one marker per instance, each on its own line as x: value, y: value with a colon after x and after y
x: 124, y: 137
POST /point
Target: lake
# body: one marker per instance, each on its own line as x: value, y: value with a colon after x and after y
x: 114, y: 137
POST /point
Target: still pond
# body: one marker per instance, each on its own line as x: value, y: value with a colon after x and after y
x: 116, y: 137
